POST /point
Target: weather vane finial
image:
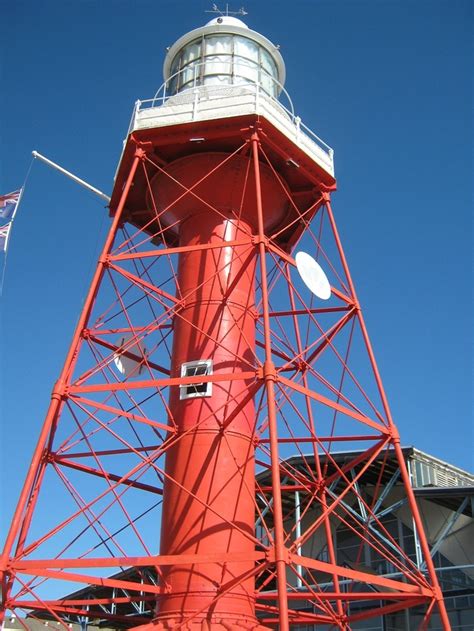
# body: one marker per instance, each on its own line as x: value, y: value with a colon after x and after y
x: 215, y: 9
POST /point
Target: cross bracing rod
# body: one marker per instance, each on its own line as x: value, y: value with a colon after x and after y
x: 372, y: 595
x: 361, y: 576
x: 376, y: 533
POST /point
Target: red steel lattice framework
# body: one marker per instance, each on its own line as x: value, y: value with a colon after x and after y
x: 199, y: 265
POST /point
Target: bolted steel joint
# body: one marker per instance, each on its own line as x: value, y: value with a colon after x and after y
x: 269, y: 371
x: 59, y: 390
x: 140, y: 153
x: 326, y: 196
x: 395, y: 436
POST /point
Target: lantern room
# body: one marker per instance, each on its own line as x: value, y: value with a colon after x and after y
x: 224, y: 52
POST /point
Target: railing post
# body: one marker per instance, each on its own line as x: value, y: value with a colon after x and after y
x: 131, y: 125
x: 196, y: 102
x: 137, y: 109
x: 298, y: 128
x: 331, y: 157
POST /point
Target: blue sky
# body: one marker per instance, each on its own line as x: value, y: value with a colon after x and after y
x: 386, y: 83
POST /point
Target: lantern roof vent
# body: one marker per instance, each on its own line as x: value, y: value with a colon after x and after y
x: 227, y: 20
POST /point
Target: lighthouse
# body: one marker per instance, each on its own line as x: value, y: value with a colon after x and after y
x: 216, y: 199
x: 210, y: 381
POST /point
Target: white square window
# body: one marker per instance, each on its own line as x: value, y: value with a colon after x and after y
x: 202, y: 367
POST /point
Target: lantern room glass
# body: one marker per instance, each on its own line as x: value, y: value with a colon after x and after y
x: 224, y: 59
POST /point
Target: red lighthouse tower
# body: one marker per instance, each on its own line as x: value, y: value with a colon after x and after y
x: 220, y: 361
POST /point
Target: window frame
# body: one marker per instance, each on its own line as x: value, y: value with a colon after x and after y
x: 185, y: 368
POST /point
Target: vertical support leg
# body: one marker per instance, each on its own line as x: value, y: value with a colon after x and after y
x: 422, y: 537
x: 26, y: 503
x: 270, y: 377
x: 323, y: 490
x: 437, y: 594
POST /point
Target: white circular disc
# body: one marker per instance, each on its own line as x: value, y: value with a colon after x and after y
x: 126, y: 365
x: 313, y: 276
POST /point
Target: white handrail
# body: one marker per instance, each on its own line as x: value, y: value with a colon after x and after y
x: 200, y: 64
x: 302, y: 131
x: 200, y: 93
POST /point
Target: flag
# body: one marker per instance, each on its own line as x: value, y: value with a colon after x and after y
x: 4, y: 232
x: 8, y: 204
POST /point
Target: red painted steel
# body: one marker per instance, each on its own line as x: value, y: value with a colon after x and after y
x: 198, y: 265
x: 23, y: 513
x: 214, y: 461
x: 396, y: 442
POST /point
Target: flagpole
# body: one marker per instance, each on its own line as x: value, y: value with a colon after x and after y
x: 7, y: 238
x: 10, y: 224
x: 83, y: 183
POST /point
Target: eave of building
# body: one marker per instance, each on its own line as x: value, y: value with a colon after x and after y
x: 451, y: 498
x: 390, y: 464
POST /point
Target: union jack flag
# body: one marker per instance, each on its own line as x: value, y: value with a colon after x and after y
x: 8, y: 204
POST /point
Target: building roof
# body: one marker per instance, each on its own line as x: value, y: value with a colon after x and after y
x: 448, y: 474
